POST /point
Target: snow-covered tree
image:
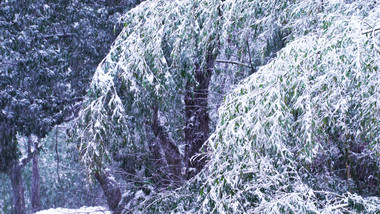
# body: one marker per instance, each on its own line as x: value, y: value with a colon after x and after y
x: 302, y: 134
x: 292, y: 137
x: 149, y: 98
x: 48, y: 53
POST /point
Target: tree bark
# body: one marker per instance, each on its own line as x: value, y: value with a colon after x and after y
x: 35, y: 182
x: 197, y: 118
x: 18, y: 189
x: 111, y: 190
x: 170, y: 150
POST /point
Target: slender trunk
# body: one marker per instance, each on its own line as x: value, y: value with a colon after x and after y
x: 5, y: 208
x: 197, y: 118
x: 56, y: 152
x: 348, y: 162
x: 111, y: 190
x: 170, y: 150
x: 35, y: 182
x: 18, y: 189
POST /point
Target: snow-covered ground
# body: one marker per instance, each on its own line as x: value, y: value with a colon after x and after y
x: 82, y: 210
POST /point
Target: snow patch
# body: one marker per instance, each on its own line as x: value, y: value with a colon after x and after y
x: 82, y: 210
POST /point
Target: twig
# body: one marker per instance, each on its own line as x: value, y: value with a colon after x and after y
x: 58, y: 35
x: 371, y: 30
x: 8, y: 64
x: 250, y: 57
x: 339, y: 206
x: 232, y: 62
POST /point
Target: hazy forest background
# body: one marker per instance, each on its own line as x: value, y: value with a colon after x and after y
x: 190, y: 106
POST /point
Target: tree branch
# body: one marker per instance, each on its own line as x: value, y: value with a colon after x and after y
x: 371, y: 30
x: 74, y: 114
x: 250, y: 57
x: 233, y: 62
x: 8, y: 64
x: 31, y: 152
x: 66, y: 35
x: 25, y: 160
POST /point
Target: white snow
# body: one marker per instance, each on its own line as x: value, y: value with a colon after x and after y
x: 82, y: 210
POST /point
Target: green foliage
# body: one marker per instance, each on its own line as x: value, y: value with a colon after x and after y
x: 153, y: 64
x: 318, y: 96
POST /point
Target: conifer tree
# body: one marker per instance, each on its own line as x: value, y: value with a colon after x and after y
x: 48, y: 53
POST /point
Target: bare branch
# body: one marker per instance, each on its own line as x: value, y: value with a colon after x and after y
x: 66, y: 35
x: 371, y: 30
x: 232, y: 62
x: 250, y: 57
x: 8, y: 64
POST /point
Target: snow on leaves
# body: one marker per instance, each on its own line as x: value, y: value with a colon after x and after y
x: 319, y: 94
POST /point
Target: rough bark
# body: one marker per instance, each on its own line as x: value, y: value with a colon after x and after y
x: 170, y: 150
x: 18, y: 189
x: 197, y: 118
x: 111, y: 190
x: 35, y: 183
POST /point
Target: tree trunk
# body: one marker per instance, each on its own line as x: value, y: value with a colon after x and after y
x: 197, y: 118
x: 35, y: 183
x: 18, y: 189
x: 170, y: 150
x: 111, y: 190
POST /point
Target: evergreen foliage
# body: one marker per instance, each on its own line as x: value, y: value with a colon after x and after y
x: 49, y: 51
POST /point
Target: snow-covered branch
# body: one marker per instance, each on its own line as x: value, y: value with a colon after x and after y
x: 374, y: 30
x: 233, y: 62
x: 66, y: 35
